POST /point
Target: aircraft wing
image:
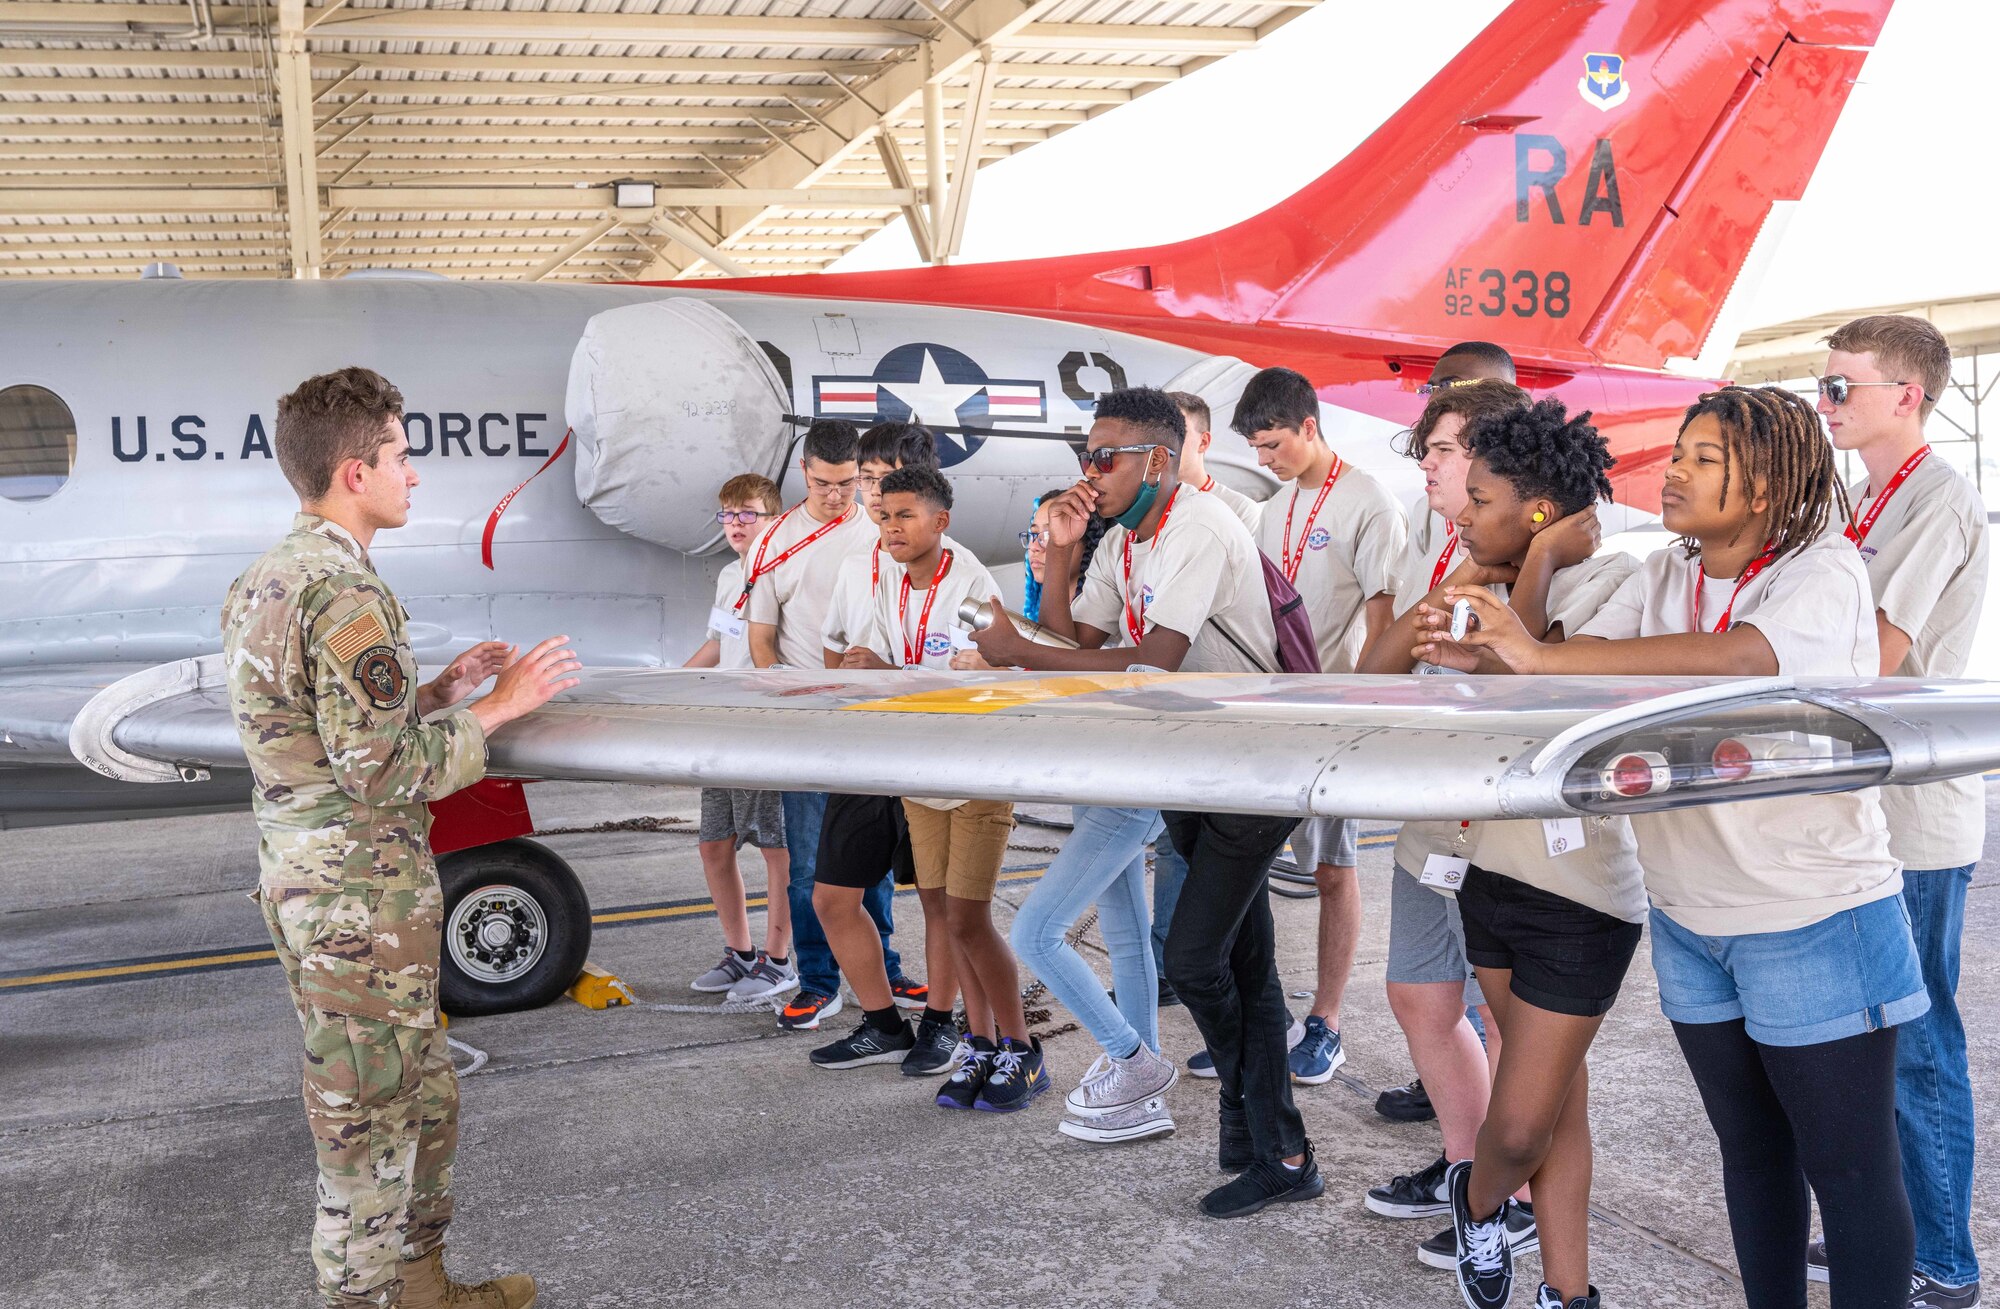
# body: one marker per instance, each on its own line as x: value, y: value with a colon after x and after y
x: 1362, y: 747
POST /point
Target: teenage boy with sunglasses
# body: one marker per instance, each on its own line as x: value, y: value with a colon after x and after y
x: 785, y: 594
x: 1176, y: 585
x: 732, y: 818
x: 1921, y: 529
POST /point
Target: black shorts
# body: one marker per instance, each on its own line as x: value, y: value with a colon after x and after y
x: 1566, y: 957
x: 863, y: 838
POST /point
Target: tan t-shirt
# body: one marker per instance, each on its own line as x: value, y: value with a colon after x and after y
x: 848, y: 607
x: 1926, y: 560
x: 794, y: 595
x: 1198, y: 571
x: 1345, y: 555
x: 1239, y: 504
x: 891, y: 628
x: 1429, y: 534
x: 1604, y: 871
x: 725, y: 626
x: 1776, y: 864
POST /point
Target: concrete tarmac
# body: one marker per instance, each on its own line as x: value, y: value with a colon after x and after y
x: 153, y: 1150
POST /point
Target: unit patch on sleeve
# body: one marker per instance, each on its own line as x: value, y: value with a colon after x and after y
x: 380, y: 676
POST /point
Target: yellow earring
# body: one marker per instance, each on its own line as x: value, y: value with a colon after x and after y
x: 1538, y: 516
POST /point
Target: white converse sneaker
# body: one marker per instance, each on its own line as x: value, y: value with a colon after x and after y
x: 1117, y: 1083
x: 1133, y: 1122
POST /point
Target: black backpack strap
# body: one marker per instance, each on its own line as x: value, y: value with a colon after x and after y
x: 1226, y: 635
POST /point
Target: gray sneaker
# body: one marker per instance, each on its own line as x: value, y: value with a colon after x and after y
x: 724, y: 975
x: 766, y: 980
x: 1113, y: 1084
x: 1132, y: 1122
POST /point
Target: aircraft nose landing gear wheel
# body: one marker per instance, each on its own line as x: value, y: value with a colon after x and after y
x: 516, y: 928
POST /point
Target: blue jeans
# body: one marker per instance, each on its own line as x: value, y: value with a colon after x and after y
x: 1169, y: 875
x: 1934, y: 1084
x: 1102, y: 862
x: 1853, y: 971
x: 804, y: 812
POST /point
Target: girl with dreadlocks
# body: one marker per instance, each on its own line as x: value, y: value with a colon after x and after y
x: 1784, y: 956
x: 1550, y: 926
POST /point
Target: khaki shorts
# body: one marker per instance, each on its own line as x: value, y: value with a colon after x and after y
x: 960, y: 849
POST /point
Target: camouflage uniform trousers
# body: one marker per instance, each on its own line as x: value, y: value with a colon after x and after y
x: 382, y: 1102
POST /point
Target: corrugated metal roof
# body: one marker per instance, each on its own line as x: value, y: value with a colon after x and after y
x: 481, y: 139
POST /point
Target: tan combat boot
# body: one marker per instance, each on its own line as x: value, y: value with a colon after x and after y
x: 425, y: 1286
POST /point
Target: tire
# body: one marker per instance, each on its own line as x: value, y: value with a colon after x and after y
x: 512, y: 886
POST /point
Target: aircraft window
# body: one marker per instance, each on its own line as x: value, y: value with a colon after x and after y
x: 37, y: 443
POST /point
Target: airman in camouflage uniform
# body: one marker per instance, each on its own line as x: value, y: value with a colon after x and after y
x: 323, y: 687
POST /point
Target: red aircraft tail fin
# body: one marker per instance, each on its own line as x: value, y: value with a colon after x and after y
x: 1582, y: 184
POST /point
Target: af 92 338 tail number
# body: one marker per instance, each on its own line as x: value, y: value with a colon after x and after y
x: 1494, y: 293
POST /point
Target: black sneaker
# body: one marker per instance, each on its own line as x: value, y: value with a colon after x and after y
x: 1262, y: 1184
x: 1929, y: 1293
x: 1816, y: 1261
x: 1168, y: 996
x: 1485, y: 1261
x: 961, y: 1089
x: 1018, y: 1076
x: 1406, y: 1104
x: 1549, y: 1298
x: 932, y: 1050
x: 1418, y: 1195
x: 866, y: 1046
x: 1441, y: 1251
x: 1233, y: 1152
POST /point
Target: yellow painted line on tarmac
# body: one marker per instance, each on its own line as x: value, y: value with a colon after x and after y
x: 155, y: 966
x: 134, y: 970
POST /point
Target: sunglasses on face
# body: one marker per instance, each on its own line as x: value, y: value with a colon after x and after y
x: 1837, y: 388
x: 1104, y: 457
x: 1437, y: 384
x: 739, y: 517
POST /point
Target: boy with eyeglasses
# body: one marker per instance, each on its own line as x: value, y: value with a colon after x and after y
x: 786, y: 589
x: 730, y: 817
x: 1921, y: 528
x: 1176, y: 585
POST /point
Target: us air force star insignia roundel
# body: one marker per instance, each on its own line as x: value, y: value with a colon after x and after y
x: 934, y: 385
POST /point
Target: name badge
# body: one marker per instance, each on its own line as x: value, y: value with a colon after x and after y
x: 1444, y: 872
x: 961, y: 640
x: 1562, y: 835
x: 727, y: 622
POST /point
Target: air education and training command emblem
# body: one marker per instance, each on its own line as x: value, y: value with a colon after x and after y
x: 380, y: 675
x: 1603, y: 83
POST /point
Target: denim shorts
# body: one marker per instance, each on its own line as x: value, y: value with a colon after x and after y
x: 1854, y: 972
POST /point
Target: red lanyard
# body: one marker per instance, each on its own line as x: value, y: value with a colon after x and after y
x: 914, y: 655
x: 1135, y: 626
x: 1857, y: 531
x: 874, y: 566
x: 1209, y: 483
x: 1444, y: 560
x: 1292, y: 562
x: 758, y: 568
x: 1757, y: 566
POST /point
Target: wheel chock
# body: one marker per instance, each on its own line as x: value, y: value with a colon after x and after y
x: 596, y: 989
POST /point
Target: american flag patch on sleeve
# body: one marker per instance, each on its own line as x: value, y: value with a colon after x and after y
x: 356, y: 635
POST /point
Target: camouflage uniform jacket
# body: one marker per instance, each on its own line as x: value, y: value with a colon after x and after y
x: 323, y: 688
